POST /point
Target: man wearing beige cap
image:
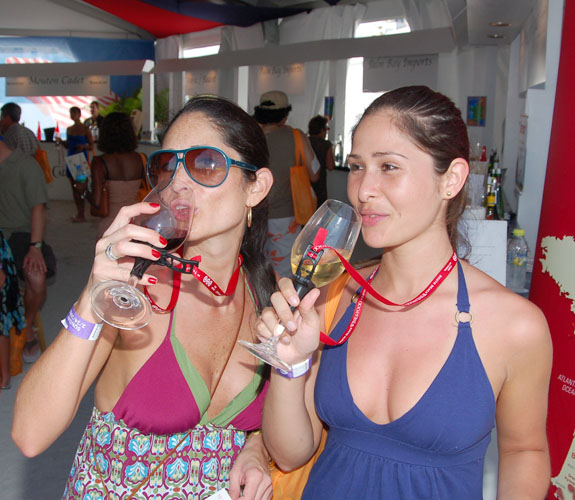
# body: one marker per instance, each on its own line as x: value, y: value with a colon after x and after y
x: 272, y: 113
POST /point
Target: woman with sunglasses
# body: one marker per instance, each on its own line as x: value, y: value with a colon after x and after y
x: 176, y: 403
x: 438, y: 353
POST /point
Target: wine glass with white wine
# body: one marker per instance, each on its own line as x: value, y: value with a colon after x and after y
x: 335, y: 226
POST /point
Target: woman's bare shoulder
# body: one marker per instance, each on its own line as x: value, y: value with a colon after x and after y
x: 518, y: 320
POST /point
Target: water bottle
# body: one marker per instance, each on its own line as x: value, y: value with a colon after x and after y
x: 517, y: 261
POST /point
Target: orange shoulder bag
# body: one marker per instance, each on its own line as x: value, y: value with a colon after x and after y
x: 303, y: 196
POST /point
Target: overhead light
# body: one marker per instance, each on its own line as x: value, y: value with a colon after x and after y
x: 499, y: 24
x: 496, y: 36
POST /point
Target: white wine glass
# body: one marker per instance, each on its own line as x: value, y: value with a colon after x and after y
x: 335, y: 224
x: 121, y: 304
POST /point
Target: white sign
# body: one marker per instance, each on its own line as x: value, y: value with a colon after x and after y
x: 388, y: 73
x: 488, y: 240
x: 98, y: 85
x: 220, y: 495
x: 201, y: 82
x: 289, y: 78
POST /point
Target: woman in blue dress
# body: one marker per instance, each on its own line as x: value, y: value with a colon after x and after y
x: 409, y: 401
x: 78, y: 140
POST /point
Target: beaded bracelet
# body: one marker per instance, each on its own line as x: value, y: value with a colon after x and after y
x: 296, y: 370
x: 80, y: 327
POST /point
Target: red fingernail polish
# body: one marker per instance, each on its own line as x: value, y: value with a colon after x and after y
x: 163, y: 241
x: 155, y: 253
x: 152, y: 280
x: 154, y: 205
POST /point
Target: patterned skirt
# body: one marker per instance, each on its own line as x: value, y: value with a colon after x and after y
x: 115, y: 462
x: 11, y: 304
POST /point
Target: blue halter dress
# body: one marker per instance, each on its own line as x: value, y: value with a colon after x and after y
x: 435, y: 451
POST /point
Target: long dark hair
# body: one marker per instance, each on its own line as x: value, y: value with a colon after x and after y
x: 243, y: 134
x: 117, y: 134
x: 435, y: 125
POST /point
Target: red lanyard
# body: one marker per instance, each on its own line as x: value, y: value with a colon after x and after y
x: 211, y: 285
x: 367, y: 288
x: 203, y: 278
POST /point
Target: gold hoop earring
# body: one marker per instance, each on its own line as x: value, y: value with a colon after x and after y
x: 249, y: 216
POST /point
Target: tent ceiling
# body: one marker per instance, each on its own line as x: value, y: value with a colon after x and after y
x: 149, y: 19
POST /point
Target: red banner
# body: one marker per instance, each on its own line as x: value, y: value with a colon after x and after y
x: 553, y: 283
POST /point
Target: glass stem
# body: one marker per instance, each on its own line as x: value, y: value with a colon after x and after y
x: 133, y: 281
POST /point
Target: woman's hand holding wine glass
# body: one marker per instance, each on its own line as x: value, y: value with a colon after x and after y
x: 333, y: 227
x: 290, y: 314
x: 162, y: 221
x: 123, y: 240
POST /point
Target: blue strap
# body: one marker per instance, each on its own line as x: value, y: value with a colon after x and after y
x: 462, y: 295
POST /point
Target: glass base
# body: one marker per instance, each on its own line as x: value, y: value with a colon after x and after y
x: 267, y: 352
x: 121, y: 305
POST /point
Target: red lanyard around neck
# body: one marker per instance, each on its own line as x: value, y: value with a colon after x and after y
x: 367, y: 288
x: 203, y: 278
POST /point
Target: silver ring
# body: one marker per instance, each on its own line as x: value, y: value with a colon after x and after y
x: 110, y: 254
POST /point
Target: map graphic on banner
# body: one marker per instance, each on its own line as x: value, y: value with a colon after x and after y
x: 559, y: 262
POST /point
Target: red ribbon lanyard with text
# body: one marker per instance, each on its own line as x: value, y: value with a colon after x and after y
x: 367, y: 288
x: 211, y: 285
x: 203, y: 278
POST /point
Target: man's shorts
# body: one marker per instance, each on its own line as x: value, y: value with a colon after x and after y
x: 20, y: 245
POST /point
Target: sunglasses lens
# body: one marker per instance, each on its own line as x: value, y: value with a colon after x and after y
x: 206, y: 166
x: 161, y: 167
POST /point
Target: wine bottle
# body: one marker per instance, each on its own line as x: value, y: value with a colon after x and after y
x: 491, y: 213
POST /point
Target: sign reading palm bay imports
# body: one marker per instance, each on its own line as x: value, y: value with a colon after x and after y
x: 98, y: 85
x: 388, y: 73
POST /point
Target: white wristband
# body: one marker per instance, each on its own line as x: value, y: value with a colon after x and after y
x: 296, y: 370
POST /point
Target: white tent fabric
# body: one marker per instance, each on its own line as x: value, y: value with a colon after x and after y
x: 319, y: 24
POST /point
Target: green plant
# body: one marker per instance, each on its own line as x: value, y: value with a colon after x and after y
x: 162, y: 107
x: 125, y: 104
x: 128, y: 104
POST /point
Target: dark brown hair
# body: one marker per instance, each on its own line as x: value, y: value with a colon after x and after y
x: 316, y: 125
x: 435, y: 125
x: 117, y: 134
x: 242, y: 133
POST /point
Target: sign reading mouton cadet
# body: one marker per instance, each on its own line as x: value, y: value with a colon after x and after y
x: 386, y: 73
x: 98, y: 85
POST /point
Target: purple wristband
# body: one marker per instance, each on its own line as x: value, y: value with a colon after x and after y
x: 80, y: 327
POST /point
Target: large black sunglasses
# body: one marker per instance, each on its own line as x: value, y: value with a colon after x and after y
x: 206, y: 165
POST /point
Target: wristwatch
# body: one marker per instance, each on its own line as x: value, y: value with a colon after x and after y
x: 36, y: 244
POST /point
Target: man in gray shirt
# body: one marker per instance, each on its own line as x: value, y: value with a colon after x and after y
x: 23, y: 198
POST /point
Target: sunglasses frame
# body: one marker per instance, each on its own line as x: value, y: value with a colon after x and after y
x: 230, y: 162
